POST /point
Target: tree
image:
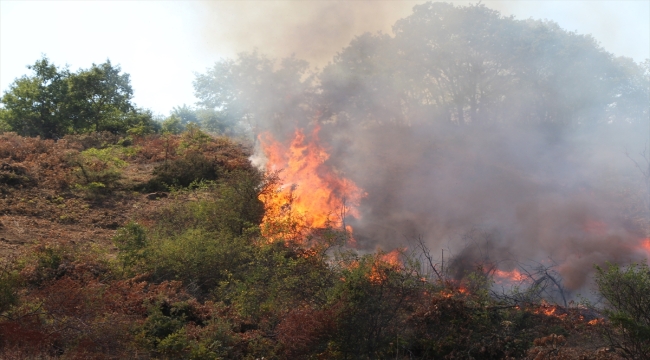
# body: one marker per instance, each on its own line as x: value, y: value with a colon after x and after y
x: 255, y: 92
x: 100, y: 98
x: 185, y: 114
x: 54, y: 102
x: 470, y: 64
x: 36, y: 105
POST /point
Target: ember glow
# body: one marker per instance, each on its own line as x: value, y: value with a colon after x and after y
x: 310, y: 194
x: 645, y: 245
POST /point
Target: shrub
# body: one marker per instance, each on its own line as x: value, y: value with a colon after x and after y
x: 201, y: 242
x: 9, y: 283
x: 625, y: 291
x: 198, y: 258
x: 99, y: 140
x: 131, y: 242
x: 372, y: 305
x: 13, y: 175
x: 97, y: 170
x: 192, y: 167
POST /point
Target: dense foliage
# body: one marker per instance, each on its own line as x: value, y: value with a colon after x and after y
x: 54, y: 102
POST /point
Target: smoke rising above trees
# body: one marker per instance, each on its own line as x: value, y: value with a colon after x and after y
x: 465, y: 119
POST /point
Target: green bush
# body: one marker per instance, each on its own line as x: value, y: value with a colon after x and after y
x: 183, y: 171
x: 199, y: 258
x: 9, y: 285
x: 97, y: 170
x: 162, y: 327
x: 627, y: 304
x: 202, y: 242
x: 372, y: 306
x: 131, y: 242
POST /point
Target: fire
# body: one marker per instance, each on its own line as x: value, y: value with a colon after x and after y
x: 551, y: 310
x: 510, y: 276
x: 311, y: 194
x: 645, y: 245
x: 385, y: 262
x: 455, y: 289
x: 392, y: 258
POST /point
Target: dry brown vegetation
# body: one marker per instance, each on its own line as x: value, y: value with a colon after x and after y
x: 100, y: 260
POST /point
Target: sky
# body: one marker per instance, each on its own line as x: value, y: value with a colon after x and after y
x: 163, y: 44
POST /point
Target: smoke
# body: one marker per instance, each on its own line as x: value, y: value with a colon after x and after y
x: 312, y: 30
x: 495, y: 137
x: 510, y: 191
x: 317, y: 30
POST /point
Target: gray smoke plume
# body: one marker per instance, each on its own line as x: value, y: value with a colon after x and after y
x: 464, y: 121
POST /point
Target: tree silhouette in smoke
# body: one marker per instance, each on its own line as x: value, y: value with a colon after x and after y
x: 464, y: 119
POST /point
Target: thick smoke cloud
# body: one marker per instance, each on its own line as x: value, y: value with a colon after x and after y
x: 467, y: 124
x: 537, y: 200
x: 467, y: 129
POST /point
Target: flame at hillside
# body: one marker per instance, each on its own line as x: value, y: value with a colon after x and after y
x: 309, y: 194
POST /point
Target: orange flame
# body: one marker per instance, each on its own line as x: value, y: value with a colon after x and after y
x: 551, y: 310
x: 510, y: 276
x: 392, y: 258
x: 311, y: 195
x: 384, y: 263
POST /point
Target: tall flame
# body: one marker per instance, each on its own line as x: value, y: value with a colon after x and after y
x: 310, y: 194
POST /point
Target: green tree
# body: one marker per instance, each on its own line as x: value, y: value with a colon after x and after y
x: 54, y: 102
x: 4, y: 127
x: 172, y: 125
x: 36, y: 105
x: 185, y: 114
x: 100, y: 98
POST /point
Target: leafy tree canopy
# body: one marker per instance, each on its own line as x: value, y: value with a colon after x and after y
x: 55, y: 101
x: 255, y: 91
x: 445, y: 64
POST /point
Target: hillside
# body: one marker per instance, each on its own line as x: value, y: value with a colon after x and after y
x: 83, y: 188
x: 112, y: 248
